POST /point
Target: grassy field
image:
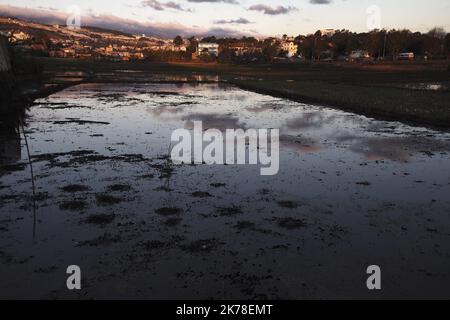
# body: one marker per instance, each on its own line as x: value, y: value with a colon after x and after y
x: 377, y: 90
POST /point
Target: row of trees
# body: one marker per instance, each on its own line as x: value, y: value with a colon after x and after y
x: 379, y: 43
x: 434, y: 44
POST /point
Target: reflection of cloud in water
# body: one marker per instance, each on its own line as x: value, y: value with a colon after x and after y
x: 213, y: 121
x: 169, y: 108
x: 392, y: 148
x: 310, y: 120
x: 264, y: 108
x: 300, y: 144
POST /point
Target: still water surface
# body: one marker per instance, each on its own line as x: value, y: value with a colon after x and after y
x: 351, y: 192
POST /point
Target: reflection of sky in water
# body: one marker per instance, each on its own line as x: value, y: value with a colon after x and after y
x: 343, y: 167
x: 142, y: 117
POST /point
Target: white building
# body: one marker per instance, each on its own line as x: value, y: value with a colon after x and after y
x: 290, y: 47
x: 206, y: 47
x: 327, y: 32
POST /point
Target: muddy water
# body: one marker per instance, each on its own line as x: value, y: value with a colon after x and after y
x: 351, y: 192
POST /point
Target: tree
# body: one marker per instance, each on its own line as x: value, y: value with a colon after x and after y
x: 398, y: 41
x: 178, y: 41
x: 447, y: 45
x: 435, y: 42
x: 375, y: 43
x: 226, y: 55
x: 270, y: 48
x: 340, y: 40
x: 307, y: 46
x: 192, y: 47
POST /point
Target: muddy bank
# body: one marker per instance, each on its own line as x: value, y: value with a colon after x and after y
x: 379, y: 103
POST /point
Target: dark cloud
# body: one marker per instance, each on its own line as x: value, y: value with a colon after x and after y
x: 320, y: 1
x: 233, y: 21
x: 272, y: 10
x: 160, y: 6
x: 214, y: 1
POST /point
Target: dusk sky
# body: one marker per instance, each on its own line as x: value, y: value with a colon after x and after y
x: 253, y: 17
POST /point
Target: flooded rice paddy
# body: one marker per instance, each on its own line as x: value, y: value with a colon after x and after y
x: 351, y: 192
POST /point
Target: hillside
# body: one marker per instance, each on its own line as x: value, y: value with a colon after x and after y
x: 57, y: 32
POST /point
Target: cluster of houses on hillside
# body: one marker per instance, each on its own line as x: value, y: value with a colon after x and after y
x: 89, y: 43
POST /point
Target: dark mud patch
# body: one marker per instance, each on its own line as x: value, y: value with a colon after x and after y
x: 146, y: 176
x: 291, y: 223
x: 74, y: 205
x: 82, y: 157
x: 46, y: 270
x: 153, y: 245
x: 263, y: 192
x: 107, y: 200
x: 100, y: 219
x: 247, y: 283
x: 201, y: 194
x: 80, y: 122
x: 164, y: 93
x: 64, y: 106
x: 288, y: 204
x: 363, y: 183
x: 168, y: 211
x: 72, y: 188
x: 104, y: 240
x: 201, y: 246
x: 5, y: 257
x: 218, y: 185
x: 242, y: 225
x: 12, y: 168
x: 42, y: 196
x: 165, y: 170
x: 163, y: 188
x: 229, y: 211
x: 10, y: 197
x: 172, y: 222
x: 119, y: 187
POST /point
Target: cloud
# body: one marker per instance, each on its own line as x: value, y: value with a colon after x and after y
x: 160, y: 6
x: 233, y: 21
x: 107, y: 21
x: 320, y: 1
x: 214, y: 1
x: 272, y: 11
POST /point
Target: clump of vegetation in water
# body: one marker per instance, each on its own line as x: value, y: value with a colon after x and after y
x: 291, y: 223
x: 100, y: 219
x: 200, y: 194
x: 119, y: 187
x: 168, y: 211
x: 75, y: 188
x: 107, y: 200
x: 288, y: 204
x: 73, y: 205
x: 229, y: 211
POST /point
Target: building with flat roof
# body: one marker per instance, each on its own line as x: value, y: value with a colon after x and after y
x: 208, y: 48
